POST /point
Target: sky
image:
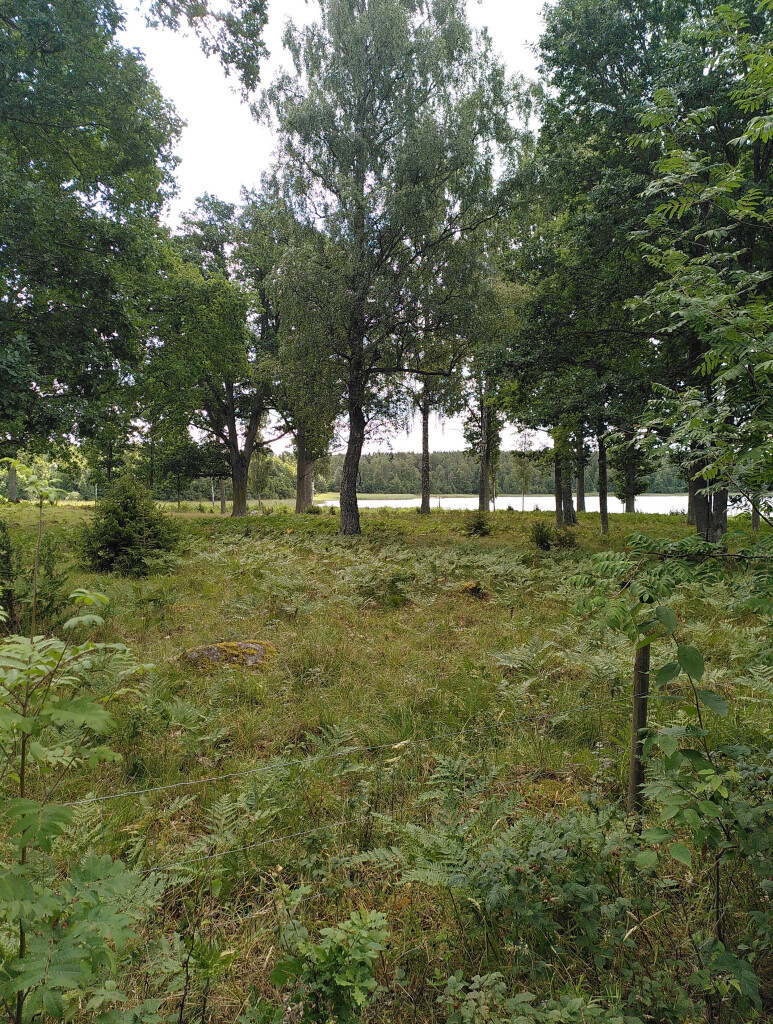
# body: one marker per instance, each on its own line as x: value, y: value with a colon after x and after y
x: 223, y: 148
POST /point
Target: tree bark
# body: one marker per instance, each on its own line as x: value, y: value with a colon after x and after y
x: 630, y: 486
x: 13, y: 485
x: 558, y: 491
x: 484, y: 484
x: 425, y: 480
x: 223, y: 506
x: 580, y: 474
x: 304, y: 495
x: 569, y: 516
x: 239, y: 469
x: 350, y: 512
x: 603, y: 483
x: 711, y: 515
x: 692, y: 488
x: 719, y: 515
x: 756, y: 517
x: 641, y: 689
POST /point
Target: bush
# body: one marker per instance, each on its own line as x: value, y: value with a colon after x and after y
x: 128, y: 533
x: 477, y: 525
x: 542, y: 535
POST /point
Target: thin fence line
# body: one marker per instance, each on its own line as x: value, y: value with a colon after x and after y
x: 692, y: 555
x: 339, y: 823
x: 337, y: 755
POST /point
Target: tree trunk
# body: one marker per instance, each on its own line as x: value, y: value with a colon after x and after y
x: 719, y: 515
x: 212, y: 482
x: 756, y: 517
x: 239, y: 470
x: 350, y: 512
x: 692, y: 488
x: 569, y: 517
x: 13, y: 485
x: 559, y: 492
x: 304, y: 495
x: 484, y: 484
x: 425, y: 481
x: 711, y: 515
x: 603, y: 484
x: 580, y: 474
x: 630, y: 486
x: 178, y: 492
x: 109, y: 464
x: 223, y: 507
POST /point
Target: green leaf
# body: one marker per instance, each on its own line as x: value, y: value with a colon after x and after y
x: 714, y: 702
x: 691, y: 661
x: 285, y: 971
x: 657, y: 835
x: 646, y: 859
x: 680, y: 852
x: 83, y: 712
x: 667, y: 674
x: 668, y: 618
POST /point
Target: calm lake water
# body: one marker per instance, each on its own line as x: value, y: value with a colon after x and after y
x: 661, y: 504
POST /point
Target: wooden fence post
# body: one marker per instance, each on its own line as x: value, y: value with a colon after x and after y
x: 641, y: 690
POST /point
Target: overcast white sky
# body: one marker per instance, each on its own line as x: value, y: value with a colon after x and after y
x: 223, y: 148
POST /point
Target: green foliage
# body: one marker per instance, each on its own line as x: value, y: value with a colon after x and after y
x: 484, y: 999
x: 128, y: 533
x: 68, y: 925
x: 85, y: 164
x: 542, y: 534
x: 336, y: 976
x: 478, y: 525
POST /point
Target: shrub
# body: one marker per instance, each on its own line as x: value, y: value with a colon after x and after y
x: 542, y: 535
x: 128, y: 533
x: 313, y: 510
x: 566, y: 539
x: 478, y: 525
x: 336, y: 977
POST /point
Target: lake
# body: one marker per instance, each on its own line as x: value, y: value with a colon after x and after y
x: 661, y: 504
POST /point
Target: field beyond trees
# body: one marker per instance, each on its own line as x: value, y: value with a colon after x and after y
x: 441, y: 737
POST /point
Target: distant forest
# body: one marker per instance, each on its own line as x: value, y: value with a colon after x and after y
x: 459, y: 473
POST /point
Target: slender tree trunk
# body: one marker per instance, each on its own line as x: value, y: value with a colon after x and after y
x: 756, y: 518
x: 570, y: 517
x: 580, y: 474
x: 718, y: 525
x: 710, y: 512
x: 350, y: 512
x: 223, y: 505
x: 603, y: 483
x: 304, y: 497
x: 559, y: 492
x: 630, y: 486
x: 212, y: 483
x: 692, y: 489
x: 425, y: 478
x: 13, y: 485
x: 239, y: 470
x: 484, y: 484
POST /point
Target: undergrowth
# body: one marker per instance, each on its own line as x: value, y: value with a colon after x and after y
x: 415, y: 811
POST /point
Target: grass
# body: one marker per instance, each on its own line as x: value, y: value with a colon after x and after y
x: 436, y: 652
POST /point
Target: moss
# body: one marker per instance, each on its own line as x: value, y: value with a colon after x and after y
x: 246, y: 653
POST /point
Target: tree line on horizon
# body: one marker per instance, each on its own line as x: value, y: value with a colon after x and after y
x: 586, y: 254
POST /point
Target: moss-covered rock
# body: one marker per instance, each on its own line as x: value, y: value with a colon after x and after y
x: 231, y: 653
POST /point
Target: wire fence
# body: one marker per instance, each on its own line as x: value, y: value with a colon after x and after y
x: 344, y: 753
x: 343, y: 820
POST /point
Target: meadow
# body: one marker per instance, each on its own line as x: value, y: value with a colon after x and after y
x: 441, y: 737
